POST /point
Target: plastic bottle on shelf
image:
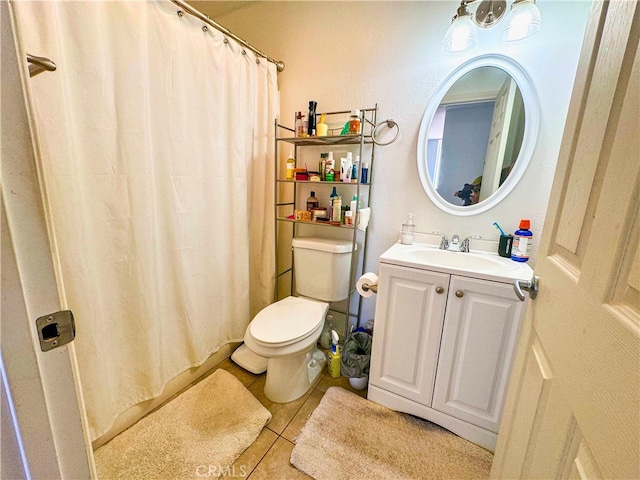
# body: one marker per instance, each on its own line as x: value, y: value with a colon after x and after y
x: 291, y: 167
x: 322, y: 166
x: 329, y: 173
x: 322, y: 128
x: 333, y: 195
x: 311, y: 120
x: 353, y: 206
x: 354, y: 122
x: 337, y: 209
x: 300, y: 130
x: 354, y: 170
x: 521, y: 247
x: 364, y: 172
x: 312, y: 202
x: 345, y: 174
x: 406, y: 235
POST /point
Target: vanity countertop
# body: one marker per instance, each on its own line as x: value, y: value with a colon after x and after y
x: 488, y: 266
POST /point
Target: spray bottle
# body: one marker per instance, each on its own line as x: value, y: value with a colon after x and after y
x: 334, y: 356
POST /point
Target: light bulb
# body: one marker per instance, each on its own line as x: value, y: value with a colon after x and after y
x: 461, y: 35
x: 523, y: 21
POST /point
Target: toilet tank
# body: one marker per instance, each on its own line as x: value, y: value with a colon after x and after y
x: 322, y: 267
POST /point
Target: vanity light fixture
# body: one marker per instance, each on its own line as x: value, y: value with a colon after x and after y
x: 523, y: 21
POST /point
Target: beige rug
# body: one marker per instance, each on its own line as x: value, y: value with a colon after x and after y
x: 198, y: 434
x: 348, y: 437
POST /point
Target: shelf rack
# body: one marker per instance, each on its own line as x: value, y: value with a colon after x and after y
x: 285, y: 135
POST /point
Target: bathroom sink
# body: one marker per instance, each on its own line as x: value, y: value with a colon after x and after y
x: 458, y: 260
x: 486, y: 265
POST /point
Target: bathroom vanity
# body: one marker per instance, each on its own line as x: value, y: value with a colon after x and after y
x: 446, y: 330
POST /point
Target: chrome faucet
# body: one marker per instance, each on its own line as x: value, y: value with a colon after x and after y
x: 444, y: 243
x: 464, y: 247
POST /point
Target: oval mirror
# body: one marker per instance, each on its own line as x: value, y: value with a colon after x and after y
x: 477, y: 135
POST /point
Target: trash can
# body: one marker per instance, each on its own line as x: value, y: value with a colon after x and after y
x: 356, y: 358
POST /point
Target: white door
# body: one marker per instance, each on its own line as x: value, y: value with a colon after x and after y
x: 478, y: 346
x: 409, y: 316
x: 42, y: 434
x: 498, y: 136
x: 573, y: 409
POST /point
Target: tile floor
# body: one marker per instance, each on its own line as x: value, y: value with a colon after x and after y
x: 268, y: 457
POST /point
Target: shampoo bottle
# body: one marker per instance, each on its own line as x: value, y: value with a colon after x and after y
x: 334, y: 356
x: 291, y: 167
x: 364, y: 172
x: 330, y: 172
x: 333, y: 195
x: 521, y: 247
x: 300, y: 130
x: 406, y: 235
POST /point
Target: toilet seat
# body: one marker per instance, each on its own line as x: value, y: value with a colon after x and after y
x: 287, y: 321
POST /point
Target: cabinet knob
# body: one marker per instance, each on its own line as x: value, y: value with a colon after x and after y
x: 459, y: 293
x: 439, y: 290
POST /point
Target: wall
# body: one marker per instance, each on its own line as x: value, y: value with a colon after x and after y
x: 355, y: 54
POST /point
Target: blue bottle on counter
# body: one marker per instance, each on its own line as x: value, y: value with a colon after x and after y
x: 522, y: 239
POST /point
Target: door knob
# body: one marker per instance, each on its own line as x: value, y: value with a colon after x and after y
x: 459, y: 293
x: 439, y: 290
x: 530, y: 286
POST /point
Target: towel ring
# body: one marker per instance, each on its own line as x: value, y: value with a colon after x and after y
x: 390, y: 124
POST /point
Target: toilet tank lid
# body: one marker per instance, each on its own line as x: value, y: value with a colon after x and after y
x: 323, y: 244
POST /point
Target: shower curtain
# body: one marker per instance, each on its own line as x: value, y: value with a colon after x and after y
x: 156, y: 142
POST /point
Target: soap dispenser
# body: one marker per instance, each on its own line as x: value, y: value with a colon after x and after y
x: 406, y: 235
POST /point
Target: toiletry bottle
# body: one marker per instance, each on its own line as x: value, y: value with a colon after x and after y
x: 311, y: 119
x: 329, y: 173
x: 322, y: 166
x: 353, y: 206
x: 322, y: 128
x: 312, y: 202
x: 354, y: 122
x: 347, y: 167
x: 334, y: 356
x: 299, y: 125
x: 348, y: 218
x: 364, y: 172
x: 522, y: 238
x: 291, y: 167
x: 333, y: 195
x: 337, y: 209
x: 354, y: 170
x: 406, y: 236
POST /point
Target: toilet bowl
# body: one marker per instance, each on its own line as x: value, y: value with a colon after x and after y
x: 285, y: 333
x: 282, y: 337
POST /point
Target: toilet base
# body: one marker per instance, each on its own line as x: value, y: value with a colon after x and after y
x: 290, y: 377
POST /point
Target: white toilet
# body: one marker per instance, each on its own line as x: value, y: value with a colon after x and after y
x: 285, y: 333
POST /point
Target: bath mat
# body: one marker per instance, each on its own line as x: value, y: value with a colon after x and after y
x: 348, y: 437
x: 198, y: 434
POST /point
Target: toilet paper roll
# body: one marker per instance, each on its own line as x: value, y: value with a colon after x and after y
x: 368, y: 279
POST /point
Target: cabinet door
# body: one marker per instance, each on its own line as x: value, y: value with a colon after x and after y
x: 408, y: 324
x: 478, y: 344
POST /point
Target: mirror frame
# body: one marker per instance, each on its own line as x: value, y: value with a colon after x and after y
x: 531, y: 129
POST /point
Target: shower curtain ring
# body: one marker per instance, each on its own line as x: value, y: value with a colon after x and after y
x: 244, y: 52
x: 205, y: 28
x: 180, y: 13
x: 225, y: 41
x: 258, y: 61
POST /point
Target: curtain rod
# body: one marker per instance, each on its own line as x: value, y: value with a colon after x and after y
x: 205, y: 18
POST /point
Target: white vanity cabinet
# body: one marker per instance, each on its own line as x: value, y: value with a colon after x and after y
x: 443, y: 347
